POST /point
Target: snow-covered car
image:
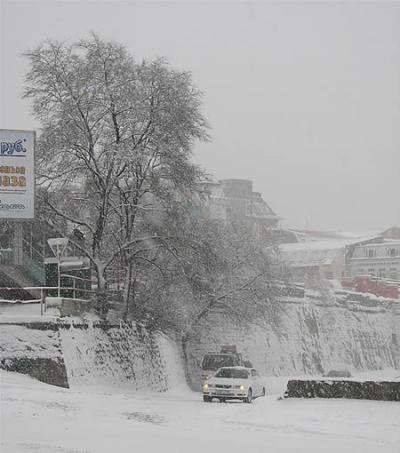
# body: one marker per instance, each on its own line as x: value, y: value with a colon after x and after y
x: 231, y: 383
x: 337, y: 374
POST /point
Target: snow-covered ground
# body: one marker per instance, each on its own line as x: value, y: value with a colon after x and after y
x: 37, y: 417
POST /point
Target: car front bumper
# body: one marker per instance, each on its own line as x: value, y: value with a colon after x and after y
x: 228, y: 393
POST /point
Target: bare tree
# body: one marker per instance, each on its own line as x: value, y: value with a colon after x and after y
x: 115, y: 143
x: 207, y: 268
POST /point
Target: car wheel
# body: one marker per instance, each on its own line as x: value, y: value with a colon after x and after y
x: 249, y: 397
x: 222, y: 400
x: 206, y: 399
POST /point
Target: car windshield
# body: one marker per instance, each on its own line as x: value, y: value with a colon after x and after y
x: 214, y: 361
x: 233, y: 373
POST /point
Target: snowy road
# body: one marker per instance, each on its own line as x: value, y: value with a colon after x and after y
x: 36, y: 417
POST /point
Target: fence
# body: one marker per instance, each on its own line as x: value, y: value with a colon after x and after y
x: 41, y: 292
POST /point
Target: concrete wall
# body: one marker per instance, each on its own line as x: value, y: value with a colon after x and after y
x: 311, y: 337
x: 86, y: 354
x: 33, y: 349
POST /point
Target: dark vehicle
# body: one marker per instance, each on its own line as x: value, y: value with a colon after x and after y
x: 338, y: 374
x: 212, y: 362
x: 227, y: 357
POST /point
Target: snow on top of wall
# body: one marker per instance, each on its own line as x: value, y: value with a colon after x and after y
x: 21, y: 342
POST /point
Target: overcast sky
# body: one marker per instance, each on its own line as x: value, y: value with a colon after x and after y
x: 302, y: 98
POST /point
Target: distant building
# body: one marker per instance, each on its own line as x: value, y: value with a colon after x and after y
x: 313, y: 261
x: 233, y: 199
x: 310, y: 262
x: 391, y: 233
x: 381, y: 259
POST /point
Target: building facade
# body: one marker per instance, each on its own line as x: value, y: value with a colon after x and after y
x: 313, y: 261
x: 233, y: 200
x: 380, y: 259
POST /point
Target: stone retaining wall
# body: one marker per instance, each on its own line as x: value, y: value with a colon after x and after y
x: 369, y: 390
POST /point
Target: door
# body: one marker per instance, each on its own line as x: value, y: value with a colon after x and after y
x: 255, y: 383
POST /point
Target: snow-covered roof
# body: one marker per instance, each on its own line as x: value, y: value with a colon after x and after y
x: 385, y: 243
x: 310, y: 258
x: 315, y: 253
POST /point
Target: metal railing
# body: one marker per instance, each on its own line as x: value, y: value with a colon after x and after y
x: 77, y: 289
x: 34, y: 253
x: 44, y: 293
x: 41, y: 300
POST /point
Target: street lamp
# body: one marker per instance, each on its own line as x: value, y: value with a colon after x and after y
x: 58, y: 246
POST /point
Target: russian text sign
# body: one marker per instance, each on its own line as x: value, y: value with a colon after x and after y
x: 17, y: 174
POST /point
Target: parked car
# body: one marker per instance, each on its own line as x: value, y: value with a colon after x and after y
x: 237, y: 382
x: 337, y: 374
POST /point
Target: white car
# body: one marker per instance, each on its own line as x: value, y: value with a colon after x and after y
x: 235, y: 382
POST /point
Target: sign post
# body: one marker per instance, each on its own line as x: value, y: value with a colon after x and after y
x: 58, y: 247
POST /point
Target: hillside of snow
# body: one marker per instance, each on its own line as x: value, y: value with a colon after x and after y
x: 310, y: 337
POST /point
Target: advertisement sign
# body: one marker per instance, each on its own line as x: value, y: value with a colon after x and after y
x: 17, y: 174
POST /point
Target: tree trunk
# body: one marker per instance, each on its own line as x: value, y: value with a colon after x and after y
x: 128, y: 286
x: 184, y: 344
x: 101, y: 303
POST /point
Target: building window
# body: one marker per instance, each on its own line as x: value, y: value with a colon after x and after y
x: 393, y: 273
x: 248, y: 208
x: 392, y: 252
x: 371, y: 253
x: 382, y: 273
x: 361, y: 272
x: 371, y: 272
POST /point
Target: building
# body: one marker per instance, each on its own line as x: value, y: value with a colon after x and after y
x: 391, y: 233
x: 27, y: 261
x: 234, y: 200
x: 313, y: 261
x: 380, y: 259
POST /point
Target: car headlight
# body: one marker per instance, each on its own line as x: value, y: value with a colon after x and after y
x: 205, y: 386
x: 240, y: 387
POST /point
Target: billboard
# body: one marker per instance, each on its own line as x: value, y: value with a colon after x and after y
x: 17, y: 174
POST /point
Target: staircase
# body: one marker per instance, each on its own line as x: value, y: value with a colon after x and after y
x: 29, y: 273
x: 13, y: 277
